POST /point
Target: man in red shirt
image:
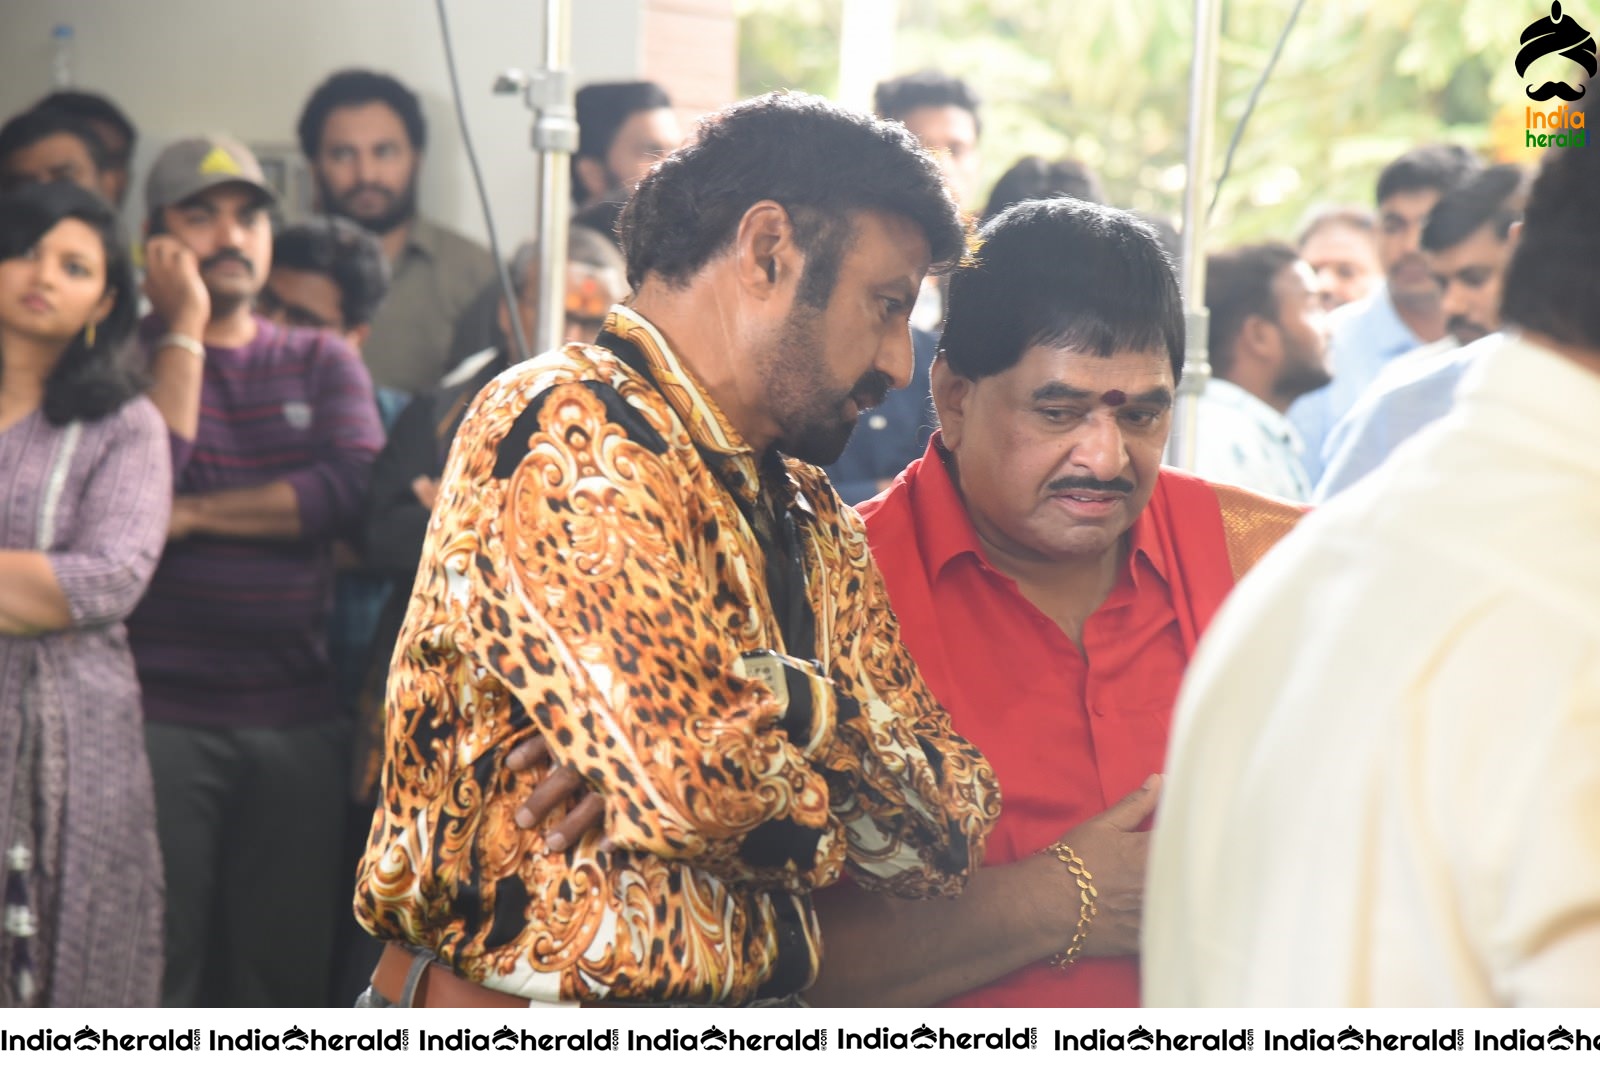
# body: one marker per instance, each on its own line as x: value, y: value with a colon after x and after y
x: 1051, y: 580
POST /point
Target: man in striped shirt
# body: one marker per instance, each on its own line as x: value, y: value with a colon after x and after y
x: 274, y: 431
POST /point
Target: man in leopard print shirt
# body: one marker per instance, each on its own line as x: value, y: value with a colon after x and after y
x: 633, y: 556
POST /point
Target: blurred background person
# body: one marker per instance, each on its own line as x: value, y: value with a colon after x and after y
x: 327, y: 274
x: 1469, y: 238
x: 1036, y: 178
x: 1268, y: 342
x: 1341, y: 246
x: 114, y: 129
x: 84, y: 473
x: 623, y: 129
x: 942, y: 114
x: 1401, y: 315
x: 364, y: 136
x: 51, y: 146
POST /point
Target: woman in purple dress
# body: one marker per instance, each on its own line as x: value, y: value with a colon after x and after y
x: 85, y: 491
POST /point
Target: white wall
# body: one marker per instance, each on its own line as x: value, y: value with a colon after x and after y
x: 180, y: 67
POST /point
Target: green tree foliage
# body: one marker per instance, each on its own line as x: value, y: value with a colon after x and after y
x: 1106, y: 81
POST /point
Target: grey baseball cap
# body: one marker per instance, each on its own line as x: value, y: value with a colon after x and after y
x: 196, y: 164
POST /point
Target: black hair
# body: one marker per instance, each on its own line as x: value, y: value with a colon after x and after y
x: 1437, y: 167
x: 1061, y: 272
x: 1492, y: 198
x: 1036, y: 178
x: 89, y: 381
x: 352, y: 88
x: 818, y: 160
x: 93, y: 107
x: 345, y: 253
x: 899, y: 97
x: 1550, y: 285
x: 601, y: 110
x: 1358, y: 219
x: 1239, y: 285
x: 602, y: 217
x: 31, y: 127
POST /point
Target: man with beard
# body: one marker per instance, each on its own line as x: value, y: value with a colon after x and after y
x: 1468, y: 240
x: 364, y: 134
x: 623, y: 129
x: 1268, y: 346
x: 1396, y: 317
x: 274, y: 431
x: 632, y: 555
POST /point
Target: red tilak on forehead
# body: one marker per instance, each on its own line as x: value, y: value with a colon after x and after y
x: 1113, y: 398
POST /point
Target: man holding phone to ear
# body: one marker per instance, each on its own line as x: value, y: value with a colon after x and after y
x: 274, y: 431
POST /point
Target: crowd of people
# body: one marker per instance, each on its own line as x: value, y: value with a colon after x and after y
x: 819, y: 627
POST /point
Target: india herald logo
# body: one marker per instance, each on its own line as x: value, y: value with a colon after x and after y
x: 1558, y: 34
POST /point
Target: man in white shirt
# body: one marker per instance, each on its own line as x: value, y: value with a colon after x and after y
x: 1401, y: 315
x: 1468, y: 240
x: 1384, y: 780
x: 1268, y: 346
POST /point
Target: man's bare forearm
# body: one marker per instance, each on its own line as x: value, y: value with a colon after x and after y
x: 267, y: 511
x: 176, y: 374
x: 882, y: 950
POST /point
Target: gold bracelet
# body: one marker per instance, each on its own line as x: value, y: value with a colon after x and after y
x: 1086, y: 908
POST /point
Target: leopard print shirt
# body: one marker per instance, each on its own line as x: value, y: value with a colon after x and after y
x: 590, y: 573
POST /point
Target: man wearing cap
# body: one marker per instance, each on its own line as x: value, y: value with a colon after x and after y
x: 274, y: 431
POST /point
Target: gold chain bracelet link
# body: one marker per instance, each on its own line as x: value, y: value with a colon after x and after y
x: 1086, y: 907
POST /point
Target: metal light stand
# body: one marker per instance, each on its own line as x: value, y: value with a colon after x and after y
x: 548, y: 94
x: 1182, y: 445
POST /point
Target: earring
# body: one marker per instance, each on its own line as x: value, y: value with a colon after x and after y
x: 88, y: 335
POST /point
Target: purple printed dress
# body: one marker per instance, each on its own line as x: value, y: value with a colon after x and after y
x: 78, y: 854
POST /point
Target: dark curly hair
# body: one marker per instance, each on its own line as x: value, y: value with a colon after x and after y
x: 89, y: 381
x: 352, y: 88
x: 818, y: 160
x: 345, y: 253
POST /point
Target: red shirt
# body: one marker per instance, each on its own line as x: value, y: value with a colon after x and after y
x: 1068, y: 733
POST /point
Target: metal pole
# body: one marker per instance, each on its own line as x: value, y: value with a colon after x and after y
x: 555, y: 138
x: 1182, y: 445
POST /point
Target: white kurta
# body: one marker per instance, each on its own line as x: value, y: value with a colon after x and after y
x: 1384, y: 776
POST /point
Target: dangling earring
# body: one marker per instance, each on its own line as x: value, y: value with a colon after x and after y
x: 88, y: 335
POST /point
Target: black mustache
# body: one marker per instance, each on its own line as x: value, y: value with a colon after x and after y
x: 358, y: 190
x: 870, y: 391
x: 1554, y: 89
x: 1116, y: 485
x: 1460, y: 325
x: 227, y: 255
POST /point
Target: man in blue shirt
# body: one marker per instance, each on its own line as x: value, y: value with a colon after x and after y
x: 1401, y: 315
x: 1468, y: 240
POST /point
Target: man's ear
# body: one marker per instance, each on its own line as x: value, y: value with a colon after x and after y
x: 358, y: 336
x: 592, y: 173
x: 1258, y: 337
x: 1513, y: 236
x: 952, y: 392
x: 767, y: 260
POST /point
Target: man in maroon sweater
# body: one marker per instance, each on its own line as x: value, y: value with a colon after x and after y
x: 274, y: 431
